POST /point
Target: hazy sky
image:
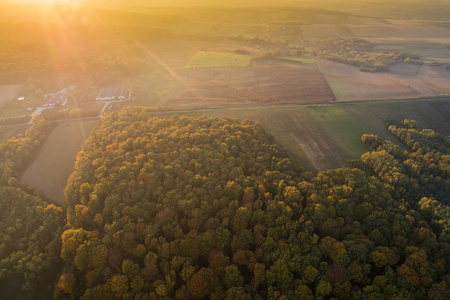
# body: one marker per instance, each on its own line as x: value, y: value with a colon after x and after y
x: 251, y: 3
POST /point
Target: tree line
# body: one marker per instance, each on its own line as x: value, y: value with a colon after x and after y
x: 362, y: 54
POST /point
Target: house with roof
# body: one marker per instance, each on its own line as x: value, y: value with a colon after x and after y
x: 56, y: 98
x: 111, y: 94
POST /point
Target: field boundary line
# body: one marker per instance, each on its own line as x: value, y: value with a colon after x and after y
x: 175, y: 110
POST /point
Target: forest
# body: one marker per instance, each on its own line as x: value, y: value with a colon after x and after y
x: 363, y: 54
x: 166, y: 206
x: 30, y: 226
x: 193, y: 208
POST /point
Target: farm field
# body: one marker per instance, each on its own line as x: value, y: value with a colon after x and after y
x: 348, y: 83
x: 403, y: 31
x: 207, y: 73
x: 54, y: 162
x: 389, y: 32
x: 213, y: 59
x: 318, y: 31
x: 9, y: 132
x: 264, y: 83
x: 326, y: 137
x: 368, y: 21
x: 300, y: 59
x: 434, y: 115
x: 405, y: 69
x: 444, y: 110
x: 7, y: 94
x: 429, y: 51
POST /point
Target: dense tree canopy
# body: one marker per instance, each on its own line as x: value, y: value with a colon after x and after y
x: 15, y: 153
x: 193, y: 208
x: 419, y: 177
x: 30, y: 227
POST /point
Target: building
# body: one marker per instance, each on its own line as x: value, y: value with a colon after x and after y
x: 111, y: 94
x: 56, y: 98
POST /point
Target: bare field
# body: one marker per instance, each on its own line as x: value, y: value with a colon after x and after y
x: 264, y: 83
x: 54, y: 162
x: 348, y: 83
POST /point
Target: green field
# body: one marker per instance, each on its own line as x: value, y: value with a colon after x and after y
x: 213, y: 59
x: 345, y: 128
x: 54, y: 163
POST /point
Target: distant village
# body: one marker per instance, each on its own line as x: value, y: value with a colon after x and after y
x: 61, y: 97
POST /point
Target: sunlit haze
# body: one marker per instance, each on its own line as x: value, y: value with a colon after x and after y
x: 224, y: 149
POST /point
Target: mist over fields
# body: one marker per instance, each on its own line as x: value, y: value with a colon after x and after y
x: 224, y: 150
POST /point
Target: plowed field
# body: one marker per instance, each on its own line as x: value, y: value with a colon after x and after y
x: 264, y: 83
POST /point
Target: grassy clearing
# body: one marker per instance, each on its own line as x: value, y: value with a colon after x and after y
x: 213, y: 59
x: 54, y: 163
x: 446, y: 91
